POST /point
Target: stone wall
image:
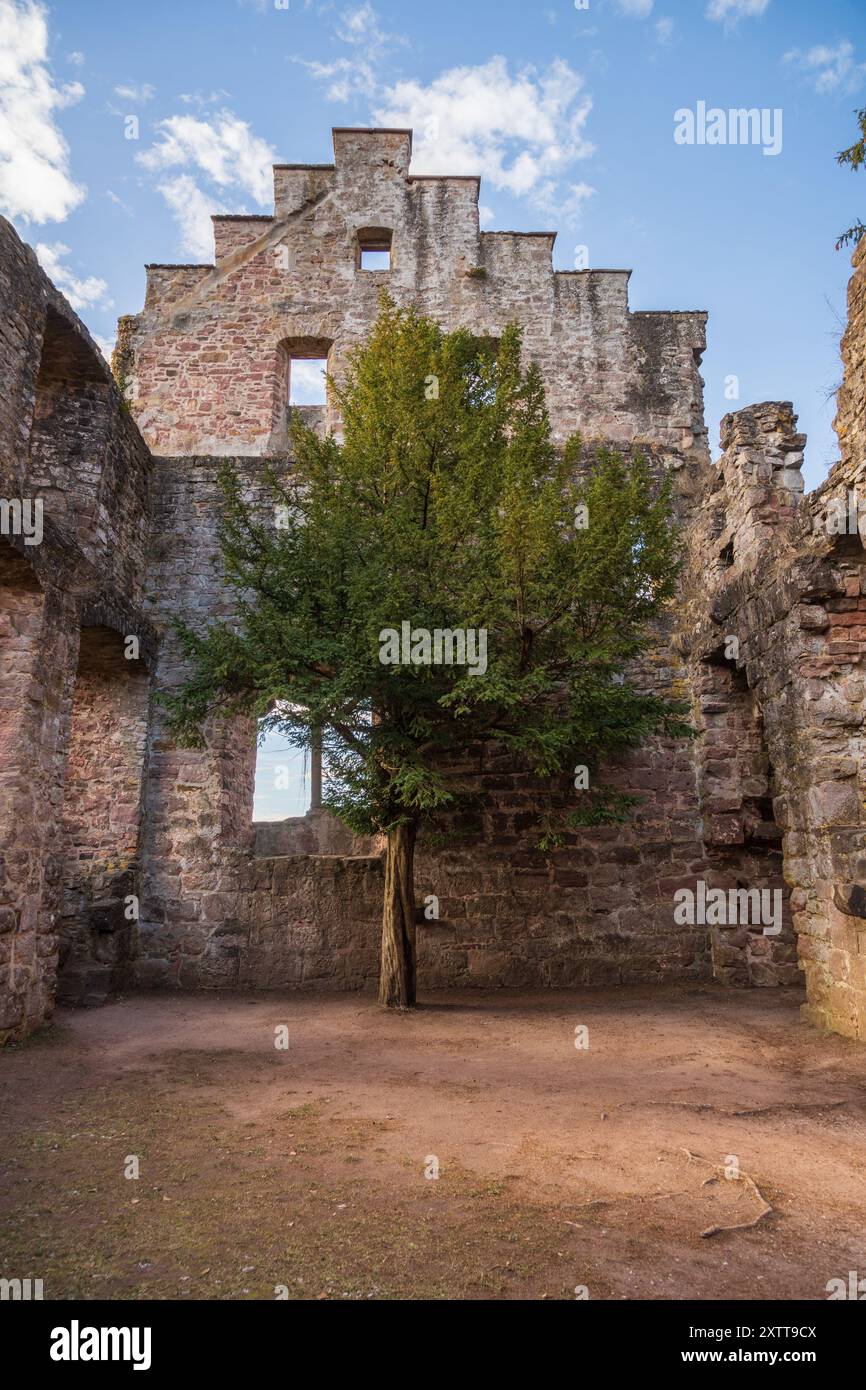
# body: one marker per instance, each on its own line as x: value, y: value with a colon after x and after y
x: 850, y: 422
x: 597, y: 909
x: 66, y: 441
x: 101, y: 820
x: 205, y: 365
x: 787, y: 601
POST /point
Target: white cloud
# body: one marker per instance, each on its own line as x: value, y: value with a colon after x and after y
x: 635, y: 9
x: 576, y: 195
x: 140, y: 94
x: 562, y: 203
x: 118, y: 201
x: 486, y: 215
x: 829, y: 69
x: 308, y: 383
x: 192, y: 209
x: 361, y: 26
x: 224, y: 149
x: 35, y: 180
x: 76, y: 59
x: 730, y: 11
x: 106, y: 346
x: 520, y: 131
x: 202, y: 99
x: 357, y: 75
x: 346, y: 77
x: 82, y: 294
x: 664, y: 30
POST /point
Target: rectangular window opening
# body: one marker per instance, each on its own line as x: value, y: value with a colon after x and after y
x: 307, y: 384
x: 375, y: 260
x: 288, y: 779
x: 374, y: 248
x: 282, y: 787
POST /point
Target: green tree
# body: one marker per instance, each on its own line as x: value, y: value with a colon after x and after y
x: 854, y: 158
x: 446, y: 508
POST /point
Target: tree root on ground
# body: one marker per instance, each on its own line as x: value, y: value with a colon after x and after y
x: 743, y: 1178
x: 783, y: 1108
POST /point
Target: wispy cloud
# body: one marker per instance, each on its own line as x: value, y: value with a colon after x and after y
x: 522, y: 131
x: 139, y: 93
x: 570, y: 206
x: 36, y: 183
x: 635, y: 9
x: 357, y: 73
x: 106, y: 346
x: 81, y: 293
x: 118, y: 201
x: 829, y: 69
x: 200, y: 100
x: 193, y: 210
x: 729, y: 11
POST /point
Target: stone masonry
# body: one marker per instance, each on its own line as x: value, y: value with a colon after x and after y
x: 67, y: 440
x: 128, y: 862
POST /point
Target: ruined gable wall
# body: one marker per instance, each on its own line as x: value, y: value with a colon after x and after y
x: 202, y: 359
x: 203, y: 363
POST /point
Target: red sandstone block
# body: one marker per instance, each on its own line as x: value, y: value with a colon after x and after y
x: 854, y: 618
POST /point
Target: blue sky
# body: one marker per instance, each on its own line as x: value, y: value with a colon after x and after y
x: 568, y: 114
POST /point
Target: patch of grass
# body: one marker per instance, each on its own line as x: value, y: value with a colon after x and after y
x: 212, y: 1217
x: 52, y: 1035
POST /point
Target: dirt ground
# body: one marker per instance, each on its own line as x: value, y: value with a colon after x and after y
x: 303, y: 1172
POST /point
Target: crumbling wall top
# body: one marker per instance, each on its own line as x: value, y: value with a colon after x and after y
x: 208, y: 353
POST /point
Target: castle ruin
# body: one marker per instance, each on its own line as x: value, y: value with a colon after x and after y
x: 100, y: 811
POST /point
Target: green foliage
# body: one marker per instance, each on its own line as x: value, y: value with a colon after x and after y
x: 447, y: 507
x: 854, y: 158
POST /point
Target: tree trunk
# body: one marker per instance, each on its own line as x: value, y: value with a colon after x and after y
x: 397, y: 977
